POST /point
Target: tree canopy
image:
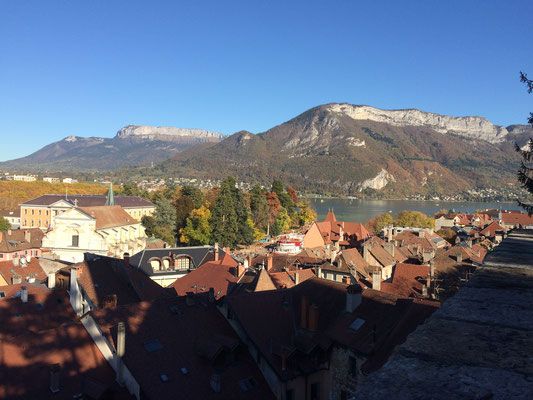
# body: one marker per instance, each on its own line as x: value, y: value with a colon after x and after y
x: 525, y: 171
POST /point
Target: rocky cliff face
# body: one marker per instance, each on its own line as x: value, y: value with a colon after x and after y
x: 169, y: 132
x: 470, y: 127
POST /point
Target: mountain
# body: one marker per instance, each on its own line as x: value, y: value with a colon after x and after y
x: 132, y: 145
x: 348, y: 149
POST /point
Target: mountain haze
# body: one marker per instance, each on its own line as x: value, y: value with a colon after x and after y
x: 132, y: 145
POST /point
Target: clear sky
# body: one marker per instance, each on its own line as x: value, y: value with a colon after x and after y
x: 87, y: 68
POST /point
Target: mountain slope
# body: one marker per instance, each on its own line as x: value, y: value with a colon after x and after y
x: 132, y: 145
x: 346, y: 149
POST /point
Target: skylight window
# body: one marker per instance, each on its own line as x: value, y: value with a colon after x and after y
x: 2, y: 295
x: 153, y: 345
x: 357, y: 324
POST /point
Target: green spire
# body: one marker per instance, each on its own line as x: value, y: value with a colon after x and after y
x: 110, y: 201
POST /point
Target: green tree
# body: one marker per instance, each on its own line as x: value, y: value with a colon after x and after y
x: 283, y: 196
x: 381, y: 221
x: 525, y: 172
x: 163, y: 223
x: 414, y: 219
x: 259, y: 207
x: 282, y: 222
x: 197, y: 230
x: 194, y: 194
x: 131, y: 189
x: 4, y: 224
x: 224, y: 221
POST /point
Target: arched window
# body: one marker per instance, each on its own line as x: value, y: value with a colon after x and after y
x: 182, y: 263
x: 166, y: 263
x: 155, y: 263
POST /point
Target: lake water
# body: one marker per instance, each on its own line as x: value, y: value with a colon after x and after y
x: 363, y: 210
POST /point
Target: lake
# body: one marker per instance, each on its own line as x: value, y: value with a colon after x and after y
x: 363, y: 210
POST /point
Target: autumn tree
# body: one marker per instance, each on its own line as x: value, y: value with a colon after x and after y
x: 282, y: 222
x: 414, y: 219
x: 306, y: 213
x: 197, y: 230
x: 525, y: 171
x: 379, y: 222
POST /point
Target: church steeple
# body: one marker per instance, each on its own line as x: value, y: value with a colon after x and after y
x: 110, y: 200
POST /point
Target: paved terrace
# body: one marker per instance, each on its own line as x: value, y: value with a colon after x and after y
x: 479, y: 345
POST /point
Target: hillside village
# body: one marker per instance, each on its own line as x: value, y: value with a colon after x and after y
x: 92, y: 307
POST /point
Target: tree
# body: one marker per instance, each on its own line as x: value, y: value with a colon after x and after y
x: 283, y: 196
x: 4, y: 224
x: 131, y: 189
x: 306, y: 213
x: 379, y: 222
x: 282, y: 222
x: 274, y: 205
x: 197, y: 230
x: 224, y: 220
x: 525, y: 172
x: 194, y: 194
x: 414, y: 219
x: 259, y: 207
x: 163, y: 223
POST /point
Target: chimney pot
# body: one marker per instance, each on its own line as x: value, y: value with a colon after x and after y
x: 24, y: 294
x: 296, y: 278
x: 376, y: 279
x: 353, y: 297
x: 55, y: 371
x: 215, y: 251
x: 126, y: 258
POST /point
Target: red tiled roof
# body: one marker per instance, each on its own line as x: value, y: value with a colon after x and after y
x: 517, y: 219
x: 15, y: 240
x: 407, y: 280
x: 109, y: 216
x: 209, y: 275
x: 43, y: 332
x: 287, y: 279
x: 196, y: 342
x: 491, y: 229
x: 25, y: 271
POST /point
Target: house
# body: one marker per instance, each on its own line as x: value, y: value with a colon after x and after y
x: 69, y: 180
x: 409, y: 280
x: 18, y: 243
x: 165, y: 265
x: 22, y: 270
x: 50, y: 179
x: 24, y: 178
x: 340, y: 234
x: 380, y: 256
x: 41, y: 211
x: 104, y: 230
x: 494, y: 231
x: 13, y: 217
x: 316, y: 339
x: 512, y: 220
x: 176, y: 348
x: 46, y: 352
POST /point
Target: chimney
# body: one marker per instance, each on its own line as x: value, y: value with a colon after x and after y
x: 313, y: 318
x: 241, y: 268
x: 341, y: 233
x: 376, y: 279
x: 428, y: 281
x: 246, y: 263
x: 215, y: 251
x: 24, y: 294
x: 126, y: 258
x: 211, y: 295
x: 270, y: 262
x: 304, y: 309
x: 389, y: 234
x: 366, y: 252
x: 319, y: 272
x: 27, y: 236
x: 9, y: 232
x: 15, y: 261
x: 296, y: 277
x: 459, y: 257
x: 432, y: 268
x: 424, y: 291
x: 75, y: 294
x: 55, y: 371
x: 1, y: 236
x: 353, y: 297
x: 389, y: 246
x: 333, y: 255
x: 51, y: 280
x: 121, y: 350
x: 469, y: 242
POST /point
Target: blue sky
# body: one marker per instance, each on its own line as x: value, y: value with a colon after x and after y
x: 90, y: 67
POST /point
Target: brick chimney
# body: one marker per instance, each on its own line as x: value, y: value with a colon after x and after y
x: 376, y: 279
x: 270, y: 262
x: 424, y: 291
x: 27, y: 236
x: 51, y: 281
x: 296, y: 277
x: 313, y: 318
x: 304, y: 310
x: 121, y: 350
x: 55, y: 371
x: 354, y: 296
x: 215, y: 252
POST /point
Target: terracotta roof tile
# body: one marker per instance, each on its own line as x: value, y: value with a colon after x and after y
x: 109, y: 216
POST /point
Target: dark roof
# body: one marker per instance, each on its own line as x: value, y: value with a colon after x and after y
x: 271, y: 319
x: 189, y: 344
x: 103, y: 278
x: 198, y: 255
x: 90, y: 200
x: 43, y: 332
